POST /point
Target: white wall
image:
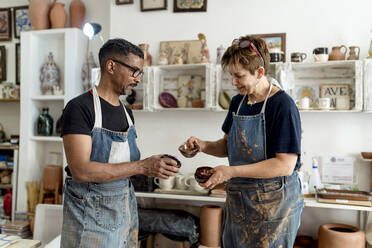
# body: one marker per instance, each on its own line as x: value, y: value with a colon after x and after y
x: 96, y: 11
x: 308, y: 24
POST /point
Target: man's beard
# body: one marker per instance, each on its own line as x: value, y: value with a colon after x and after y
x: 127, y: 92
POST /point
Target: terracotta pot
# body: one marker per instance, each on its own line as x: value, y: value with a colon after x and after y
x: 52, y: 175
x: 340, y: 236
x: 77, y: 13
x: 336, y: 53
x: 39, y: 14
x: 210, y: 225
x: 353, y: 55
x: 58, y: 15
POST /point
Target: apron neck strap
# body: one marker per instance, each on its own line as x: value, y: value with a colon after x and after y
x: 264, y: 105
x: 97, y: 109
x: 130, y: 122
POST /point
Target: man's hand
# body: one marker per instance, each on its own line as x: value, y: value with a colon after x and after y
x: 155, y: 166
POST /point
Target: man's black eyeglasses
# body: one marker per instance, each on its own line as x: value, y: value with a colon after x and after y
x: 136, y: 72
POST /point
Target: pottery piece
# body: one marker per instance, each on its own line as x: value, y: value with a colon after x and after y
x: 298, y: 57
x: 77, y: 13
x: 147, y: 56
x: 220, y: 51
x: 320, y: 54
x: 204, y: 48
x: 86, y: 72
x: 337, y: 54
x: 172, y: 157
x: 52, y: 175
x: 49, y: 76
x: 224, y: 100
x: 167, y: 100
x: 352, y: 53
x: 210, y: 225
x: 58, y: 15
x: 39, y: 14
x: 45, y: 123
x: 202, y: 174
x: 186, y: 151
x: 367, y: 155
x: 340, y: 236
x: 197, y: 103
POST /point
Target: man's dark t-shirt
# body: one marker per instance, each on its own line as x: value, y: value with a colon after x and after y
x: 283, y: 124
x: 78, y: 116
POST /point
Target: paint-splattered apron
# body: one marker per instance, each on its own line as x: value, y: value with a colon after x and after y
x: 103, y: 214
x: 259, y: 213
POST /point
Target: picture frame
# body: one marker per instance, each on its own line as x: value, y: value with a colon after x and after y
x: 182, y: 52
x: 120, y: 2
x: 275, y: 40
x: 190, y: 6
x: 21, y: 20
x: 150, y: 5
x: 18, y: 62
x: 338, y: 93
x: 5, y: 24
x: 2, y: 63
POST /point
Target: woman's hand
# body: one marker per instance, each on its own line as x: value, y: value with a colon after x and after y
x: 193, y: 140
x: 220, y: 175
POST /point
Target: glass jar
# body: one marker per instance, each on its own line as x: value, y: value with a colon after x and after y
x: 45, y: 123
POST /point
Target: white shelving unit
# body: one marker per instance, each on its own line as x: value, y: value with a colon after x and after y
x: 69, y: 51
x: 368, y: 85
x: 165, y: 79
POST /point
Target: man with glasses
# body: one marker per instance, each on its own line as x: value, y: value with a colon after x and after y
x: 99, y: 138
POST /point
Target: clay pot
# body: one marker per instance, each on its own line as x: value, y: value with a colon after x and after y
x: 197, y: 103
x: 58, y: 15
x: 172, y: 157
x: 77, y: 13
x: 340, y: 236
x: 202, y: 174
x: 39, y: 14
x: 210, y: 225
x: 52, y: 175
x: 336, y: 53
x: 186, y: 151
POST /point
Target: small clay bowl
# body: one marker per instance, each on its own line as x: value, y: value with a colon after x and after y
x: 202, y: 174
x: 187, y: 152
x: 367, y: 155
x: 174, y: 158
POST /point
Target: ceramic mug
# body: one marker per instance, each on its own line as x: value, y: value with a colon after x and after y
x: 304, y: 103
x: 180, y: 181
x: 194, y: 185
x: 298, y: 57
x: 324, y: 103
x: 165, y: 184
x: 320, y: 54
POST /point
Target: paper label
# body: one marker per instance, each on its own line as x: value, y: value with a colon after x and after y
x: 338, y: 170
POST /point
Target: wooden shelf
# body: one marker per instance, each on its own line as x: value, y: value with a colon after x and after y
x: 8, y: 147
x: 48, y: 98
x: 47, y: 138
x: 10, y: 100
x: 6, y: 186
x: 309, y: 202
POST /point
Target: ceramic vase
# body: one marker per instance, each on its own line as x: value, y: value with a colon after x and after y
x: 49, y: 76
x: 39, y: 14
x: 340, y: 236
x: 77, y: 13
x: 58, y: 15
x: 52, y: 176
x: 147, y: 56
x: 86, y: 73
x: 45, y: 123
x: 337, y: 54
x: 353, y: 55
x: 210, y: 225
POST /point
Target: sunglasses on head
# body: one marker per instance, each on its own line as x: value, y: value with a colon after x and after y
x: 246, y: 43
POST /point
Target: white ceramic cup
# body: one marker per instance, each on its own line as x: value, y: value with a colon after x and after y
x: 304, y: 103
x: 180, y: 181
x: 165, y: 184
x: 324, y: 103
x: 343, y: 103
x: 194, y: 185
x: 320, y: 57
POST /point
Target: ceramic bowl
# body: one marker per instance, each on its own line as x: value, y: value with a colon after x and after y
x: 172, y: 157
x: 167, y: 100
x: 186, y: 151
x: 202, y: 174
x: 367, y: 155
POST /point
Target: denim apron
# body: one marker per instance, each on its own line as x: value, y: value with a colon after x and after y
x: 103, y: 214
x: 258, y: 213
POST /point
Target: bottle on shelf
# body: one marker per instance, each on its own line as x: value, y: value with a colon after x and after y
x: 45, y: 123
x: 315, y: 182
